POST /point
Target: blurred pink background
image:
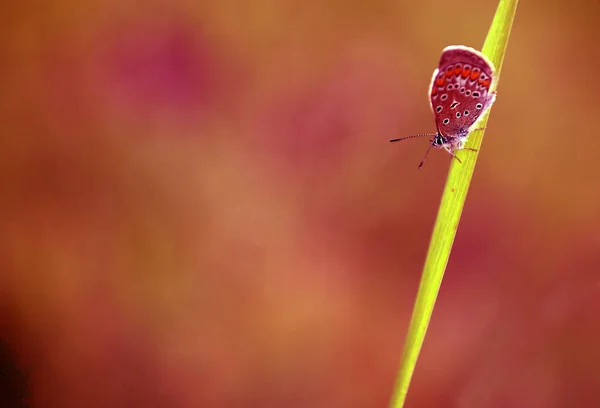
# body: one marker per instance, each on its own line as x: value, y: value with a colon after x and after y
x: 200, y: 207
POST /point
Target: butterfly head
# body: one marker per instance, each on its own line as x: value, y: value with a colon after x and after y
x: 438, y: 140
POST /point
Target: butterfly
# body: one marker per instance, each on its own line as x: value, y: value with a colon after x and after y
x: 459, y: 94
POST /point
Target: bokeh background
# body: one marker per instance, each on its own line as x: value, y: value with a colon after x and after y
x: 200, y: 208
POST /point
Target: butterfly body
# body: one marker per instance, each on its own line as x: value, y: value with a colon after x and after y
x: 460, y: 93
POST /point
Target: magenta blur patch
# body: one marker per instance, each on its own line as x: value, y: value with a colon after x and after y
x: 154, y: 66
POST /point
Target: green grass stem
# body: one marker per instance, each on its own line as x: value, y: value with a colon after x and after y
x: 446, y: 224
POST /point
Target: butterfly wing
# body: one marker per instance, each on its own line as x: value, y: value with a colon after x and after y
x: 460, y: 90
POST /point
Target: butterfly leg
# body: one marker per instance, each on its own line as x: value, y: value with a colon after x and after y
x: 453, y: 155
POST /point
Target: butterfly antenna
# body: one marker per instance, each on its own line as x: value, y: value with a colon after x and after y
x: 423, y: 161
x: 411, y: 137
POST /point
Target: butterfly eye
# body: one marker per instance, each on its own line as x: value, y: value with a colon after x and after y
x: 438, y: 109
x: 444, y: 97
x: 466, y: 113
x: 468, y: 93
x: 476, y: 94
x: 446, y: 121
x: 458, y: 114
x: 462, y: 90
x: 479, y: 106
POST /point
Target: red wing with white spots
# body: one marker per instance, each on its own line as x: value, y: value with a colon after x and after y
x: 460, y: 90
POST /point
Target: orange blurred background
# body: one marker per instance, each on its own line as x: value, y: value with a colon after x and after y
x: 200, y: 207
